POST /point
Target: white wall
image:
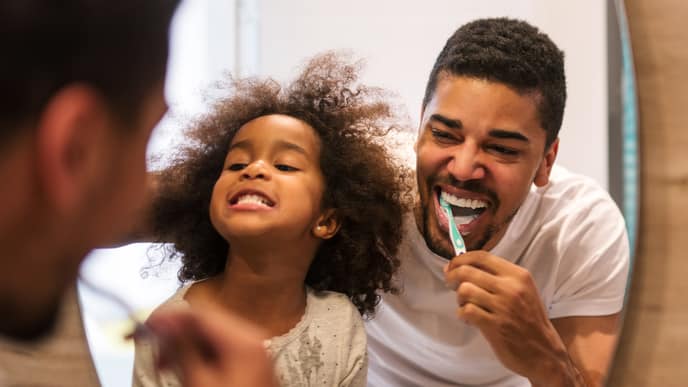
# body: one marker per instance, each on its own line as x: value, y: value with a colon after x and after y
x: 400, y: 40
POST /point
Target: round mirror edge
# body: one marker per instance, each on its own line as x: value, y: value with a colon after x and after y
x: 624, y: 177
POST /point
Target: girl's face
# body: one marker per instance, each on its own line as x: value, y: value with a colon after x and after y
x: 271, y: 183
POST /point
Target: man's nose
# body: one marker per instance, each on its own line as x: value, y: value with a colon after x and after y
x: 466, y: 163
x: 256, y: 170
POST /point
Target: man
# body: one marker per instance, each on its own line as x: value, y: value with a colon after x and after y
x: 537, y: 298
x: 82, y: 88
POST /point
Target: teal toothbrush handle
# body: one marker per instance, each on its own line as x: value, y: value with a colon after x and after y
x: 454, y: 234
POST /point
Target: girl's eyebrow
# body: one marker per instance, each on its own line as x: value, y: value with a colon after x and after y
x: 245, y: 144
x: 280, y: 145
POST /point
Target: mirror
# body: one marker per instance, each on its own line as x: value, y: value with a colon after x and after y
x: 399, y: 41
x: 623, y: 120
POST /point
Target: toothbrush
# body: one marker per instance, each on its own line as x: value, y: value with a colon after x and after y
x: 454, y: 235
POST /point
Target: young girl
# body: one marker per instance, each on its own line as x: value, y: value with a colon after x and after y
x: 286, y: 209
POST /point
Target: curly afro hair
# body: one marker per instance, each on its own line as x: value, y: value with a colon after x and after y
x: 511, y: 52
x: 367, y: 186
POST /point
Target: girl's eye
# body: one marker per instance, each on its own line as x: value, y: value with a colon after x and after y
x: 285, y: 168
x: 236, y: 167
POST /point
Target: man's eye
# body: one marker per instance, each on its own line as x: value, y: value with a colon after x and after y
x: 285, y: 168
x: 441, y: 135
x: 236, y: 167
x: 504, y: 150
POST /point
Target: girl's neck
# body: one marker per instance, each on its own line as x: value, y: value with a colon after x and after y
x: 267, y: 288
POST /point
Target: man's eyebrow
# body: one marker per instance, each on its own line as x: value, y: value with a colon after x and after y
x: 508, y: 135
x: 454, y: 124
x: 498, y: 133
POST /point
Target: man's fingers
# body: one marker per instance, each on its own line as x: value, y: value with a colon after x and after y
x: 470, y: 293
x: 467, y: 273
x: 483, y: 260
x: 473, y: 314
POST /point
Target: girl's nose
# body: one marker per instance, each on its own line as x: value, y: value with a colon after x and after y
x: 256, y: 170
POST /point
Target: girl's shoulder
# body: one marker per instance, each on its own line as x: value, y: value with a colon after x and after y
x: 330, y: 316
x: 176, y: 300
x: 332, y: 305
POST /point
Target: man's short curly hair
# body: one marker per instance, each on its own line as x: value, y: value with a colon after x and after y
x: 511, y: 52
x: 118, y: 48
x: 366, y: 185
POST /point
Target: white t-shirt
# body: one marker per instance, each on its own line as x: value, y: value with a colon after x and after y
x: 326, y: 348
x: 569, y: 234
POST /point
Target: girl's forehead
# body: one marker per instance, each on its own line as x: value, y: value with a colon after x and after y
x: 277, y: 128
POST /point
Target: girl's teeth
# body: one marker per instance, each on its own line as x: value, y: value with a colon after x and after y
x: 253, y: 199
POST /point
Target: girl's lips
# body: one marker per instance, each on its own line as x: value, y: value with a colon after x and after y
x: 249, y: 207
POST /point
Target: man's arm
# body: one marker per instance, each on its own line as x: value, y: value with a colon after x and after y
x: 590, y: 342
x: 501, y: 299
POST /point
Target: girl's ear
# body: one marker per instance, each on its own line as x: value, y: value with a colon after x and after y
x: 327, y: 225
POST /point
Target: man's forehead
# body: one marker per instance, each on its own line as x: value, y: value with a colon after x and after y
x: 462, y: 102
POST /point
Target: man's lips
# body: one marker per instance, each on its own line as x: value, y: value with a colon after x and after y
x: 477, y: 205
x: 465, y: 194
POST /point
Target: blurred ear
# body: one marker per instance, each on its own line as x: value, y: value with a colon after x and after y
x: 71, y: 136
x: 327, y: 225
x: 545, y: 168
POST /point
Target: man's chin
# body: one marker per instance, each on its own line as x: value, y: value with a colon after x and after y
x: 436, y: 243
x: 29, y: 328
x: 441, y: 245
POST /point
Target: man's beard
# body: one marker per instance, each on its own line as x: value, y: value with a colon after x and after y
x: 27, y: 329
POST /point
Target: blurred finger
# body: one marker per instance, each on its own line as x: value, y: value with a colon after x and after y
x: 208, y: 345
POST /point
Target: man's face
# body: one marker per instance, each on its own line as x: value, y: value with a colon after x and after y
x: 111, y: 202
x: 480, y: 146
x: 123, y: 187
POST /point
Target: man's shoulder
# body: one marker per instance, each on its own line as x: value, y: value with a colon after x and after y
x: 560, y: 213
x: 570, y: 193
x: 565, y: 181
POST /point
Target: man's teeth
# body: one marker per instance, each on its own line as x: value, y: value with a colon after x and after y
x: 461, y: 220
x: 462, y: 202
x: 253, y: 199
